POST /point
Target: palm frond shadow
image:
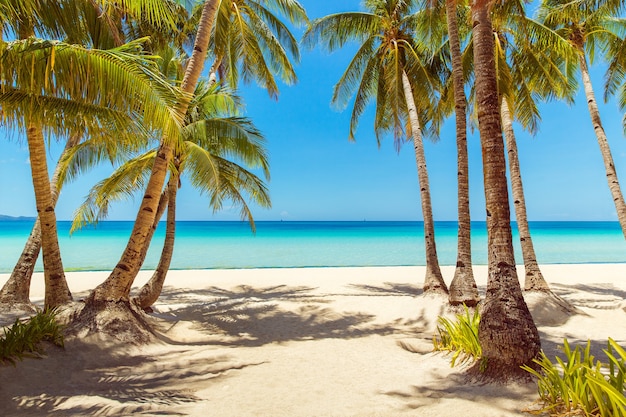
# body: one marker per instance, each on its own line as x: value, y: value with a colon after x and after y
x: 390, y: 289
x: 600, y: 296
x: 457, y: 386
x: 248, y: 316
x: 130, y: 384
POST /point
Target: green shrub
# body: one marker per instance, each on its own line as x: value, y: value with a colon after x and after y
x: 25, y: 337
x: 579, y: 382
x: 459, y: 336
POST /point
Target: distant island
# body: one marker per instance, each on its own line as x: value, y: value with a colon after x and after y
x: 12, y: 218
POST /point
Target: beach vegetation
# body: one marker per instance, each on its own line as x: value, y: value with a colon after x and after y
x: 507, y: 333
x: 580, y: 382
x: 459, y: 336
x: 25, y: 337
x: 396, y: 70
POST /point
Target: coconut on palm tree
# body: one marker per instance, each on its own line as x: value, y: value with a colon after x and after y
x: 389, y: 67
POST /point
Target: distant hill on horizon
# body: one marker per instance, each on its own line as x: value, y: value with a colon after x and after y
x: 12, y: 218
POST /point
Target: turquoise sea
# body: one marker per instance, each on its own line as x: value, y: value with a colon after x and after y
x: 207, y: 245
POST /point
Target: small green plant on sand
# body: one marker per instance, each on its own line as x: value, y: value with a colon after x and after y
x: 459, y: 336
x: 580, y: 383
x: 25, y: 337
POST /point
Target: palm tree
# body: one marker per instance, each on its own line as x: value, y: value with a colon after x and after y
x: 215, y: 147
x: 37, y: 86
x: 463, y: 288
x: 116, y: 288
x: 387, y: 67
x: 527, y: 72
x: 81, y: 25
x: 586, y: 25
x: 507, y: 333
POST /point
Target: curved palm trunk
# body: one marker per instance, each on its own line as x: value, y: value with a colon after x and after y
x: 507, y: 333
x: 151, y: 291
x: 17, y: 288
x: 433, y: 282
x: 57, y: 291
x: 534, y: 278
x: 607, y: 158
x: 463, y: 286
x: 117, y: 286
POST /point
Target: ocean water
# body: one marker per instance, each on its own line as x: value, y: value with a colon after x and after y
x: 209, y: 245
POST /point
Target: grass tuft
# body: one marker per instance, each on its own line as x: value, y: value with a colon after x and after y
x: 24, y: 337
x: 459, y: 336
x: 579, y: 382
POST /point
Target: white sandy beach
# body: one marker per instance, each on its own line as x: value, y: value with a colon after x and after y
x: 298, y: 342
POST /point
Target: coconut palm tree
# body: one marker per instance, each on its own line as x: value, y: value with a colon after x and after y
x: 55, y: 93
x: 587, y: 26
x: 463, y: 288
x: 40, y: 93
x: 507, y: 333
x: 78, y: 23
x: 217, y: 153
x: 116, y: 288
x: 389, y: 68
x: 526, y: 73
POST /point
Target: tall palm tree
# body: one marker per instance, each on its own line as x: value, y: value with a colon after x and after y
x: 586, y: 25
x: 40, y: 94
x: 526, y: 73
x: 389, y: 68
x: 217, y: 153
x: 78, y: 23
x: 463, y: 288
x: 507, y: 333
x: 116, y: 288
x: 46, y: 85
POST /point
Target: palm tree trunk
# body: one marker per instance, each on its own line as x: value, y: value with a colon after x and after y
x: 17, y: 288
x: 433, y: 282
x: 57, y: 291
x: 150, y: 292
x: 463, y: 286
x: 507, y: 333
x: 534, y: 278
x: 609, y: 165
x: 117, y: 286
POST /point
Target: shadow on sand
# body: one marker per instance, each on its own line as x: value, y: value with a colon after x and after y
x: 88, y: 380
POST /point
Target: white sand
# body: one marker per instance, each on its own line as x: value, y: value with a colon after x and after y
x: 299, y: 342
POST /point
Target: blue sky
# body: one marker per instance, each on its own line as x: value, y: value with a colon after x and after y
x: 317, y: 174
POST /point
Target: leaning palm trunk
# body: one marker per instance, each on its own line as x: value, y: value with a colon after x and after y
x: 150, y: 292
x: 609, y: 165
x: 56, y: 291
x: 16, y: 290
x: 507, y: 333
x: 433, y: 282
x: 463, y: 286
x: 534, y: 278
x: 117, y: 286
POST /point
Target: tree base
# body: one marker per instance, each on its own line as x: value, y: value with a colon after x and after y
x: 120, y: 320
x: 548, y: 309
x: 499, y: 373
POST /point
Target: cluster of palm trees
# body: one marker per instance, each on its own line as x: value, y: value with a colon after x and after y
x: 417, y: 60
x: 122, y: 81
